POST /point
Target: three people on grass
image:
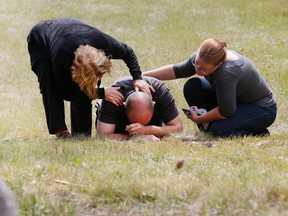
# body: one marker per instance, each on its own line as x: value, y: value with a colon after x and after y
x: 70, y: 59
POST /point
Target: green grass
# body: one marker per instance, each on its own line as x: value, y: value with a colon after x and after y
x: 102, y: 177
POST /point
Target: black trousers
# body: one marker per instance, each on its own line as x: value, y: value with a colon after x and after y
x: 80, y: 109
x: 54, y: 90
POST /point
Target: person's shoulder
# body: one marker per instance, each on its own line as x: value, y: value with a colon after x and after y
x: 126, y: 80
x: 157, y: 84
x: 107, y: 107
x: 238, y: 55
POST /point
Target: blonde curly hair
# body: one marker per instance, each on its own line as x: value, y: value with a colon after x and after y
x: 89, y: 65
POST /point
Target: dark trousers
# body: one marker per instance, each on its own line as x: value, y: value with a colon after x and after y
x: 54, y: 89
x: 248, y: 119
x: 80, y: 109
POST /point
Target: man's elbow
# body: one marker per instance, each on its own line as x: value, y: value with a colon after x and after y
x: 179, y: 127
x: 178, y: 124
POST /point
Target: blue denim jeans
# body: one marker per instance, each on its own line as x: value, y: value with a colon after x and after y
x: 248, y: 119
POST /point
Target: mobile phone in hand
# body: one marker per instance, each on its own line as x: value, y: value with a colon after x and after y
x: 186, y: 111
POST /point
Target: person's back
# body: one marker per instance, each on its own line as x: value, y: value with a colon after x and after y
x: 243, y: 76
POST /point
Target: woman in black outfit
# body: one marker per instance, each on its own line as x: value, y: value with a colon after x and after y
x: 69, y: 58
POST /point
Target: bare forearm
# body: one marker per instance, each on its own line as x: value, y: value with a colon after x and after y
x: 173, y: 126
x: 116, y: 136
x: 161, y: 131
x: 107, y: 130
x: 162, y: 73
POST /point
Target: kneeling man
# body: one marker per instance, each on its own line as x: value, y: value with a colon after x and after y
x: 140, y: 115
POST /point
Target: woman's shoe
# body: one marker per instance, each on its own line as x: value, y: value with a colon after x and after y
x: 63, y: 135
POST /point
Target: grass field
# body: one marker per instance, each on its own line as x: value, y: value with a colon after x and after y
x: 246, y: 176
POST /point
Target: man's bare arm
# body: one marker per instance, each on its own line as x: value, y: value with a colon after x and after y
x: 107, y: 130
x: 174, y: 125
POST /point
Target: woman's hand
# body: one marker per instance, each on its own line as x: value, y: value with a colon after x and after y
x: 193, y: 116
x: 113, y: 95
x: 204, y: 116
x: 143, y: 86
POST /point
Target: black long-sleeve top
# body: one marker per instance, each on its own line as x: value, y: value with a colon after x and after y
x: 59, y: 39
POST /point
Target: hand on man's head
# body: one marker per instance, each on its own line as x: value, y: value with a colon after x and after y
x: 141, y: 85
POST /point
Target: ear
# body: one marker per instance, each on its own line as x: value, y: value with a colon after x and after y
x: 153, y: 103
x: 124, y: 104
